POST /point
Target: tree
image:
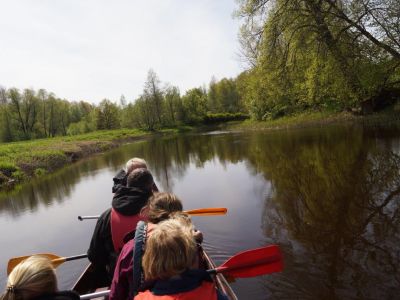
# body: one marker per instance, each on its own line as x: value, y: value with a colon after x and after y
x: 172, y: 99
x: 314, y: 52
x: 6, y: 133
x: 195, y: 105
x: 24, y: 109
x: 107, y: 115
x: 212, y: 98
x: 153, y: 95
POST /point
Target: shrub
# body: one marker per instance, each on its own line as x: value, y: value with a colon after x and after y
x: 223, y: 117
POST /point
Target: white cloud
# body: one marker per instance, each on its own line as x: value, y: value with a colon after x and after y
x: 95, y: 49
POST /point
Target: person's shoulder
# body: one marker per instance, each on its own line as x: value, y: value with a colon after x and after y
x: 105, y: 214
x: 127, y: 249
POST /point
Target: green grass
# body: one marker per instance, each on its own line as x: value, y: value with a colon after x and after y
x: 20, y: 160
x: 303, y: 119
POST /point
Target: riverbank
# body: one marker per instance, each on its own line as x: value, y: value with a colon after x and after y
x: 312, y: 119
x: 20, y: 161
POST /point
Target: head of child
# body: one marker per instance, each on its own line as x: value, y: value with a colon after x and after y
x: 135, y: 163
x: 161, y: 206
x: 31, y: 278
x: 170, y: 249
x: 140, y: 178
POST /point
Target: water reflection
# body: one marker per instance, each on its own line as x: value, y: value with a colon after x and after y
x: 335, y: 207
x: 329, y: 196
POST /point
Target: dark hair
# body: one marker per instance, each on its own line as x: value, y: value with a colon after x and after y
x: 140, y: 178
x: 161, y: 205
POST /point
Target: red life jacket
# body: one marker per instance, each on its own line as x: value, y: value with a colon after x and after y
x: 206, y: 291
x: 120, y: 226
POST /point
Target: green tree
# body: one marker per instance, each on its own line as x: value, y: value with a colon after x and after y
x: 172, y: 101
x: 195, y: 105
x: 5, y: 129
x: 107, y: 115
x: 154, y: 95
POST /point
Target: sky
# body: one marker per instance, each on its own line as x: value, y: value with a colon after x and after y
x: 95, y: 49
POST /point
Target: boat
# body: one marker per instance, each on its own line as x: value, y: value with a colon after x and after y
x: 89, y: 283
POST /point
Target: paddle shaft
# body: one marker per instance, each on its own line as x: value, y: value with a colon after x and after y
x: 81, y: 218
x: 212, y: 211
x: 63, y: 259
x: 95, y: 295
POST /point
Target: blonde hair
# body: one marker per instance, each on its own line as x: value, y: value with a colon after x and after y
x: 170, y: 250
x: 135, y: 163
x: 31, y: 278
x: 161, y: 205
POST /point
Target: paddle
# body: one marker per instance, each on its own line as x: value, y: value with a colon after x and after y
x: 211, y: 211
x: 55, y: 260
x: 250, y: 263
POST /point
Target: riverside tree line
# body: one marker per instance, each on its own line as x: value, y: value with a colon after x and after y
x: 302, y: 55
x: 31, y: 114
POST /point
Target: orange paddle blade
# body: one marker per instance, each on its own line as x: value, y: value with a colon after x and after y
x: 13, y: 262
x: 210, y: 211
x: 55, y: 260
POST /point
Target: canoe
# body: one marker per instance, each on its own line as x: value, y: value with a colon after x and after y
x: 89, y: 283
x: 220, y: 280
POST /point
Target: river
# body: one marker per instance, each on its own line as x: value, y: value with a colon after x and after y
x: 330, y: 197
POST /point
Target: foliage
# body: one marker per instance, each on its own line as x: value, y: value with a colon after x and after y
x: 318, y: 54
x: 107, y: 115
x: 223, y: 117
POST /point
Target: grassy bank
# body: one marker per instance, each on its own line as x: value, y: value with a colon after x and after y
x: 312, y: 119
x: 20, y: 161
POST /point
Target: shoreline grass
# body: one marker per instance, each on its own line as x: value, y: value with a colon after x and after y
x: 22, y: 160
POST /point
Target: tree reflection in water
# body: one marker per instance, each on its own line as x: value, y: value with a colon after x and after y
x: 335, y: 209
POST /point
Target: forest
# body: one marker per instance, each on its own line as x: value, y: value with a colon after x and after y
x: 301, y: 55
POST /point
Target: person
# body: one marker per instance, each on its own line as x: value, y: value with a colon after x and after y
x: 161, y: 206
x: 170, y: 260
x: 115, y: 222
x: 120, y: 179
x: 35, y: 278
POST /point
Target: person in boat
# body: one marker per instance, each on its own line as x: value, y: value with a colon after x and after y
x: 120, y: 179
x: 117, y: 221
x: 161, y: 206
x: 35, y: 279
x: 171, y: 261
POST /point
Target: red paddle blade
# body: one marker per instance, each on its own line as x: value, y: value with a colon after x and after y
x: 253, y: 263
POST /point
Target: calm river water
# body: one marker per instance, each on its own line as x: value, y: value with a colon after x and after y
x: 329, y: 197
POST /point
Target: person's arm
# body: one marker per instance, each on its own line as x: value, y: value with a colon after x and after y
x: 123, y: 274
x: 97, y: 252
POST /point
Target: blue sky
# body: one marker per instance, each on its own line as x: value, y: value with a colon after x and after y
x: 95, y: 49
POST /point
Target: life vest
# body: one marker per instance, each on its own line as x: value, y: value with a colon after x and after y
x: 120, y: 226
x: 206, y: 291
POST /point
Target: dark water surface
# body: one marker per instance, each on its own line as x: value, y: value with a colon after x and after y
x: 330, y: 197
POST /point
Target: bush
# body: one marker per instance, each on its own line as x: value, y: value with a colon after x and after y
x: 7, y: 168
x: 224, y: 117
x: 40, y: 172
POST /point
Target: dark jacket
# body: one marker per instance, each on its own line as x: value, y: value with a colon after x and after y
x: 119, y: 180
x: 126, y: 201
x: 62, y: 295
